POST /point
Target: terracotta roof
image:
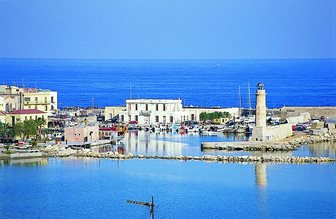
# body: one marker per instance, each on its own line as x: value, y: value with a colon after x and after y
x: 26, y: 111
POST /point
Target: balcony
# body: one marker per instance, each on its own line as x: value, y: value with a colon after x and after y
x: 36, y: 103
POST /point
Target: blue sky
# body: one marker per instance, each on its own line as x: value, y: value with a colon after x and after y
x: 167, y: 29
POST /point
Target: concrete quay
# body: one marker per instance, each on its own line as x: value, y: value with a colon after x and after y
x: 247, y: 146
x: 289, y: 144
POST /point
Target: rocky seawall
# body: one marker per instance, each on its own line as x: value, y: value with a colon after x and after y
x: 206, y: 158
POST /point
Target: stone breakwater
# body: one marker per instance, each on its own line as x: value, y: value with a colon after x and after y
x: 290, y: 144
x: 206, y: 158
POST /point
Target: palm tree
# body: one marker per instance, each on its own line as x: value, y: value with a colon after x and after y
x: 18, y: 129
x: 40, y: 122
x: 29, y: 128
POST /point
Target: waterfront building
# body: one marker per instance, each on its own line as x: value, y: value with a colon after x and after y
x: 11, y: 98
x: 44, y: 100
x: 221, y: 121
x: 153, y: 111
x: 2, y: 117
x: 193, y: 113
x: 81, y: 135
x: 2, y: 104
x: 262, y: 132
x: 165, y: 111
x: 24, y: 115
x: 112, y: 111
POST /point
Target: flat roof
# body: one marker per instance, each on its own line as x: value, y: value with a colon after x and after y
x: 154, y: 101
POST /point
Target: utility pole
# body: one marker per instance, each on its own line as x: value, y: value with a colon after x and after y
x: 145, y: 204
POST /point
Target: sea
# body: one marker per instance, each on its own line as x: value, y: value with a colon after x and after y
x: 293, y: 82
x: 100, y: 188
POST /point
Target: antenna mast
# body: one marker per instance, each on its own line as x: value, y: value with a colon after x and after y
x: 145, y: 204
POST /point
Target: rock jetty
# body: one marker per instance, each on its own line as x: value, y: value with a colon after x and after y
x: 206, y: 158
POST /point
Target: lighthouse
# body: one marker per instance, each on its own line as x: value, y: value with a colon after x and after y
x: 260, y: 118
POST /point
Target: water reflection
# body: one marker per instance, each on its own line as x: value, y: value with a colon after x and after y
x: 25, y: 162
x: 174, y: 144
x: 261, y: 175
x: 170, y: 144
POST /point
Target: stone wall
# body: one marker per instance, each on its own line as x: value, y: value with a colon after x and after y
x: 329, y: 112
x: 272, y: 133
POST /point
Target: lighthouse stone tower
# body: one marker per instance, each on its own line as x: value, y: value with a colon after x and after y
x: 260, y: 118
x: 260, y: 130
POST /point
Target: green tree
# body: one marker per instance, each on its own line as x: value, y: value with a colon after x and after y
x: 29, y: 128
x: 40, y: 123
x: 18, y: 129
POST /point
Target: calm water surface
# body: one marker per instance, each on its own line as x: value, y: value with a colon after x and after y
x: 93, y: 188
x: 174, y: 144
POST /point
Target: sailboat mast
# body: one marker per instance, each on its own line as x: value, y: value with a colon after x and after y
x: 240, y: 98
x: 249, y: 97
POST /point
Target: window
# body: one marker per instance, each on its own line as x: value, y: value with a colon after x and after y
x: 45, y: 99
x: 171, y: 119
x: 122, y: 118
x: 164, y: 107
x: 27, y: 99
x: 157, y: 107
x: 129, y: 118
x: 136, y: 106
x: 52, y: 99
x: 156, y: 118
x: 137, y: 118
x: 146, y: 107
x: 36, y: 99
x: 46, y: 108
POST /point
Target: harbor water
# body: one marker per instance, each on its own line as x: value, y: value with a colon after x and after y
x: 175, y: 144
x: 99, y: 188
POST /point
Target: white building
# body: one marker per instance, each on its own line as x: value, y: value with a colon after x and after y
x: 153, y: 111
x: 166, y: 111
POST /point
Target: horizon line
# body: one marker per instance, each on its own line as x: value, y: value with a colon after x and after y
x: 164, y: 59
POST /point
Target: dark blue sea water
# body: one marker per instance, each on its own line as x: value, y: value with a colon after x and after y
x: 306, y: 82
x: 92, y: 188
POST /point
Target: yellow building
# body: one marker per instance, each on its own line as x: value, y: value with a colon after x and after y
x: 221, y: 121
x: 43, y: 100
x: 112, y: 111
x: 26, y: 114
x: 11, y: 98
x: 2, y: 117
